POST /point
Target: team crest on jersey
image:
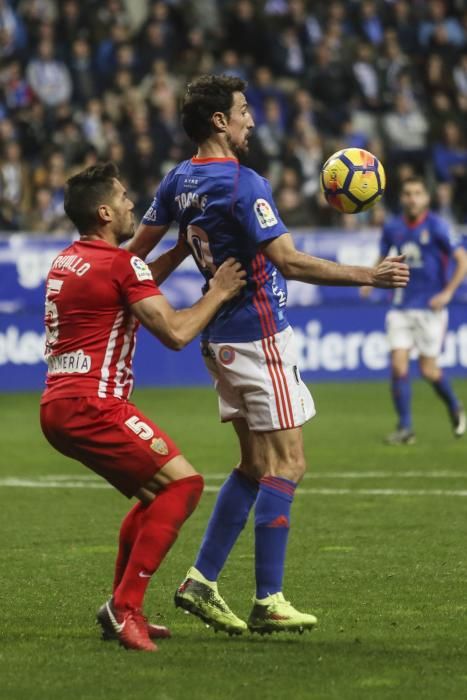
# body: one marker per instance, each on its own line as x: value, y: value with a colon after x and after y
x: 142, y: 271
x: 425, y: 237
x: 226, y: 355
x: 160, y: 446
x: 264, y: 213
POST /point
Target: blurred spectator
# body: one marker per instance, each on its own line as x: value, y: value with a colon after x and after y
x: 12, y: 32
x: 230, y: 64
x: 15, y: 182
x: 444, y: 201
x: 292, y: 206
x: 405, y: 26
x: 460, y: 81
x: 49, y: 79
x: 261, y: 88
x: 370, y: 22
x: 71, y: 27
x: 287, y: 54
x: 16, y: 89
x: 441, y: 109
x: 438, y: 28
x: 270, y: 133
x: 366, y: 77
x: 242, y: 31
x: 82, y: 71
x: 450, y: 156
x: 406, y: 130
x: 44, y: 217
x: 332, y: 85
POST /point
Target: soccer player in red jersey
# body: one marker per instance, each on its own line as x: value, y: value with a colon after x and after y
x: 97, y: 294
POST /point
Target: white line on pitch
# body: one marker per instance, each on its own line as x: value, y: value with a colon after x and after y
x: 87, y: 484
x: 368, y: 492
x: 311, y: 475
x: 371, y: 475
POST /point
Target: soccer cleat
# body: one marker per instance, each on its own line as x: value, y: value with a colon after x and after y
x: 459, y: 422
x: 275, y: 614
x: 130, y: 628
x: 200, y: 597
x: 108, y: 632
x: 401, y: 436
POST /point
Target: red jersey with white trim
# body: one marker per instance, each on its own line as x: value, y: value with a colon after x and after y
x: 90, y: 330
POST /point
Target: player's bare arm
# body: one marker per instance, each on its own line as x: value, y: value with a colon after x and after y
x: 143, y: 242
x: 443, y: 298
x: 146, y: 238
x: 168, y: 262
x: 294, y: 265
x: 177, y: 328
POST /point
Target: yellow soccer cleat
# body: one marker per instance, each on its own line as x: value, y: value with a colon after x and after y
x: 275, y: 614
x: 200, y: 597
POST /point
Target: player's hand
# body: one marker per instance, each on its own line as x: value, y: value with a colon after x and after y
x: 229, y: 279
x: 365, y: 292
x: 391, y: 272
x: 440, y: 300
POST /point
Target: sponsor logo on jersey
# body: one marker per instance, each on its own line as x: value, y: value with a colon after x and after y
x: 264, y: 213
x: 160, y: 446
x: 69, y: 363
x: 425, y: 237
x: 142, y: 271
x: 226, y: 355
x: 151, y: 214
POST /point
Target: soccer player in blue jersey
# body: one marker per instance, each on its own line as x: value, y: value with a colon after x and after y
x: 419, y: 316
x: 224, y: 209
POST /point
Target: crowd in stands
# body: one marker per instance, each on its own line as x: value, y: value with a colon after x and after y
x: 89, y: 80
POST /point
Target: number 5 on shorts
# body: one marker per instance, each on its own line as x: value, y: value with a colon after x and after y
x: 140, y: 428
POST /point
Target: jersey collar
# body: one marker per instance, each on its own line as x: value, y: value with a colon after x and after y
x: 200, y: 161
x: 416, y: 222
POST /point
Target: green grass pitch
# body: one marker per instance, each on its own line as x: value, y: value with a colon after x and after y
x: 378, y: 551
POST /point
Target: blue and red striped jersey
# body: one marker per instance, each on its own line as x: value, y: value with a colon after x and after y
x: 427, y: 244
x: 224, y: 209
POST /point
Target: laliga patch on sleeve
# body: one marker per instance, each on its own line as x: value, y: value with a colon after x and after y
x: 264, y: 213
x: 142, y: 271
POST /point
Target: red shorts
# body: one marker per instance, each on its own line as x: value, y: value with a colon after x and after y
x: 110, y: 436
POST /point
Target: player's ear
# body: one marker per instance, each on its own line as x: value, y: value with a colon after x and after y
x: 104, y: 213
x: 219, y: 121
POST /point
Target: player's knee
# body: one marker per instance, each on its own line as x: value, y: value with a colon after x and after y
x: 301, y: 467
x: 431, y: 374
x: 190, y: 489
x: 292, y: 469
x: 399, y: 371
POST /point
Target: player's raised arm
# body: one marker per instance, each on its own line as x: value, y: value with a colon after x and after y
x: 168, y: 261
x: 443, y: 298
x: 146, y: 238
x: 177, y: 328
x: 295, y: 265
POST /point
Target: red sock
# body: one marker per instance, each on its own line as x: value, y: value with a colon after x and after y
x: 128, y: 533
x: 158, y: 530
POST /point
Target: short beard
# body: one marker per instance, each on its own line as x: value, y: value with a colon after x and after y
x: 238, y: 151
x: 125, y: 235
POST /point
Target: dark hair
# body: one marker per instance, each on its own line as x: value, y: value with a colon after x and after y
x: 414, y: 180
x: 204, y: 96
x: 86, y: 191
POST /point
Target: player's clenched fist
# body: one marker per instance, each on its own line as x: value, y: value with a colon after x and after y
x: 391, y: 272
x: 229, y: 278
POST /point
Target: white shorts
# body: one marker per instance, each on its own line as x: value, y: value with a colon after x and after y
x: 422, y: 329
x: 260, y: 382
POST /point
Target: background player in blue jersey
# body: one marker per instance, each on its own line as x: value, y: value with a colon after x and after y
x: 223, y: 209
x: 419, y: 316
